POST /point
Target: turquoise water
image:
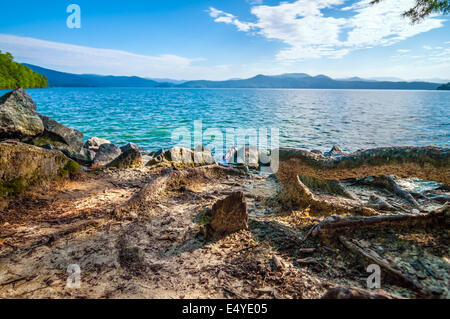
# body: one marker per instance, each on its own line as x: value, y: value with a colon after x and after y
x: 311, y: 119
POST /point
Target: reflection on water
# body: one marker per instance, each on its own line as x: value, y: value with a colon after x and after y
x: 308, y: 119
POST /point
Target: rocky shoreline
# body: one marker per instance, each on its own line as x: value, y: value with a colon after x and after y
x: 175, y: 224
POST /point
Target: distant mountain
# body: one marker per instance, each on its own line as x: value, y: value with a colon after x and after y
x: 287, y: 81
x: 444, y: 86
x: 62, y: 79
x: 304, y: 81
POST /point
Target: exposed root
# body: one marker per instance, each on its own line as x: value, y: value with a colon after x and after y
x: 386, y: 268
x: 390, y: 184
x: 430, y: 163
x: 144, y: 201
x: 335, y: 226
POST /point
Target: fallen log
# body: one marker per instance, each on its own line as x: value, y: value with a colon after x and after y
x: 428, y: 163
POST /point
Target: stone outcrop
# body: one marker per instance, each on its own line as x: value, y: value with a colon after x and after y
x: 106, y: 154
x: 94, y: 143
x: 228, y: 215
x: 18, y: 116
x: 131, y: 158
x: 23, y: 165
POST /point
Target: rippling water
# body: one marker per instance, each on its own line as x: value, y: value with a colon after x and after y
x: 311, y: 119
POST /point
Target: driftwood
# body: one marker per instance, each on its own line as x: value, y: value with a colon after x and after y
x: 169, y: 179
x: 357, y: 293
x: 429, y: 163
x: 386, y: 268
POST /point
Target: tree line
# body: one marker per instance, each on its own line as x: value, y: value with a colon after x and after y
x: 14, y: 75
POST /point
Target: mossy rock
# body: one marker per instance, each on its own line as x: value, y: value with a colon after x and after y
x: 23, y: 165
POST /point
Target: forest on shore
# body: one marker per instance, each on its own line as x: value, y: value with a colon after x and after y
x: 14, y: 75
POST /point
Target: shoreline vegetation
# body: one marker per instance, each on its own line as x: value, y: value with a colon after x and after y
x: 175, y: 224
x: 14, y: 75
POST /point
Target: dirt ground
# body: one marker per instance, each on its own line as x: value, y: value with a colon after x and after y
x: 165, y: 254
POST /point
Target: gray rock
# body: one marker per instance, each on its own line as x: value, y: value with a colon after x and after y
x: 134, y: 147
x: 231, y: 155
x: 94, y: 143
x: 84, y: 156
x: 61, y: 134
x: 18, y: 117
x: 106, y: 154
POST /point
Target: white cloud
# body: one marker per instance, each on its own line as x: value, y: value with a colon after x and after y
x: 309, y: 33
x: 403, y: 51
x: 82, y: 59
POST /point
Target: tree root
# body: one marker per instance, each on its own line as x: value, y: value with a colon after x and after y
x: 143, y: 202
x: 429, y: 163
x: 334, y: 226
x: 49, y: 238
x: 391, y: 185
x: 386, y: 268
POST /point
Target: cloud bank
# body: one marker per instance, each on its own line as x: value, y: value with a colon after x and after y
x: 328, y: 28
x: 82, y: 59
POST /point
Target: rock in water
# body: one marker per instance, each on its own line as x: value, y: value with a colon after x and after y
x: 335, y: 151
x: 128, y: 159
x: 228, y: 215
x: 94, y: 143
x: 23, y: 165
x: 18, y: 117
x: 106, y: 154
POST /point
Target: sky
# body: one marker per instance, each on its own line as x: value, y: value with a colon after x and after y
x: 219, y: 40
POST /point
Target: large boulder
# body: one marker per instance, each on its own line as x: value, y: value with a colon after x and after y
x: 228, y: 215
x: 131, y: 158
x: 106, y: 154
x: 136, y: 147
x: 23, y: 165
x: 18, y: 117
x: 94, y: 143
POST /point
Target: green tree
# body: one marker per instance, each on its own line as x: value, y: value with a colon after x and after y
x: 14, y: 75
x: 424, y: 8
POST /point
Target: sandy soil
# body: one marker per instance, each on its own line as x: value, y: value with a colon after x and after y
x: 165, y: 255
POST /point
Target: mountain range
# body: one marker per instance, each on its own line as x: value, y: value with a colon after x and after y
x: 289, y: 81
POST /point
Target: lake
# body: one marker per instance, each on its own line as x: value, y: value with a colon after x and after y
x: 310, y: 119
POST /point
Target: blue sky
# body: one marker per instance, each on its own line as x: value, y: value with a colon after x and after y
x: 228, y: 39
